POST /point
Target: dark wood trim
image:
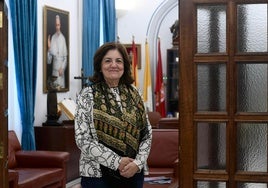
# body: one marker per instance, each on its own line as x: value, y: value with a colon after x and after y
x: 190, y: 116
x: 3, y: 95
x: 186, y: 93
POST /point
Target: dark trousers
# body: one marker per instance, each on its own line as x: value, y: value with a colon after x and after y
x: 113, y: 182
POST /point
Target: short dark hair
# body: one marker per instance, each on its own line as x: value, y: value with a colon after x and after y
x: 98, y: 57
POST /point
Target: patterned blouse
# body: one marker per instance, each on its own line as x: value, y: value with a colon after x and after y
x: 94, y: 152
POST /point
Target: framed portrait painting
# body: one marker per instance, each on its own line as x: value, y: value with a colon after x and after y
x: 56, y: 65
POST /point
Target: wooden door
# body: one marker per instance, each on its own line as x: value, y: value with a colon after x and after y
x: 223, y: 93
x: 3, y: 96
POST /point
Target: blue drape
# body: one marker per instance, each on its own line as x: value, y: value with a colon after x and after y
x: 109, y: 19
x: 24, y: 28
x: 90, y: 34
x: 91, y: 29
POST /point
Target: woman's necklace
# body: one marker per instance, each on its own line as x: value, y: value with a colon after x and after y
x: 115, y: 91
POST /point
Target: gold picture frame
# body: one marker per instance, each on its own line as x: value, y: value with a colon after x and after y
x: 138, y: 50
x: 56, y: 65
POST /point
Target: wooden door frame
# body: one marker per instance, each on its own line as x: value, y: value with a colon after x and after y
x: 187, y: 106
x: 186, y: 92
x: 3, y: 96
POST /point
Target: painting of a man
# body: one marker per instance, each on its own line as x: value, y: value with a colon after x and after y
x: 56, y: 66
x: 57, y: 55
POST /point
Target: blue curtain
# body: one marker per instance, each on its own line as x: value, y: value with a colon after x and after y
x: 109, y: 20
x: 24, y: 28
x: 90, y: 34
x: 91, y: 29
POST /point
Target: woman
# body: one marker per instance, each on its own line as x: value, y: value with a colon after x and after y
x: 111, y: 126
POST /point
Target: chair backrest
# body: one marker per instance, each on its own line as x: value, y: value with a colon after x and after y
x: 13, y: 147
x: 165, y: 148
x: 154, y: 118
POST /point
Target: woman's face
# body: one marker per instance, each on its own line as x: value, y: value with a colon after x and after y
x: 112, y: 67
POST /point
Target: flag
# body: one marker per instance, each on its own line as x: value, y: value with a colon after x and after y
x: 147, y: 85
x: 134, y: 63
x: 159, y: 86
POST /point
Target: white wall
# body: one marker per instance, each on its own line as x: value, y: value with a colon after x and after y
x: 136, y: 21
x: 75, y: 55
x: 149, y: 19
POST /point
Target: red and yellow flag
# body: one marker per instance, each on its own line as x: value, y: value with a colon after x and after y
x: 134, y: 63
x: 159, y: 86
